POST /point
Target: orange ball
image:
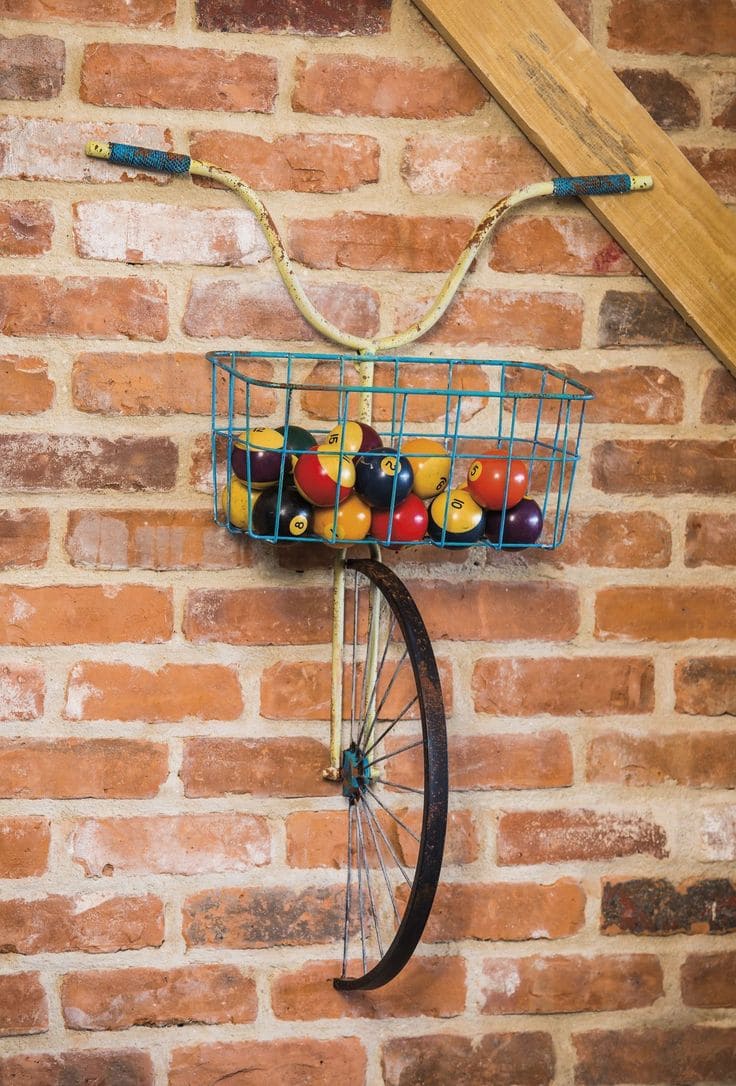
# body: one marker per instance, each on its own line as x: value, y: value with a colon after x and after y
x: 495, y: 482
x: 351, y: 520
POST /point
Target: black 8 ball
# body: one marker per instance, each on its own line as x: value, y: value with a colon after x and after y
x: 291, y: 518
x: 382, y: 477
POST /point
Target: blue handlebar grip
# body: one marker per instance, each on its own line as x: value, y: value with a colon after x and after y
x: 611, y: 184
x: 140, y: 158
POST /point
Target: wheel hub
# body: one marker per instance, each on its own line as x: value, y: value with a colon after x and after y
x: 356, y: 772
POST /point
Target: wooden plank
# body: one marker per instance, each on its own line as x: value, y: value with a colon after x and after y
x: 570, y: 104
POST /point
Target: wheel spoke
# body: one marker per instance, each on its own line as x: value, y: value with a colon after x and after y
x: 385, y: 872
x: 359, y: 865
x: 345, y: 934
x: 368, y: 880
x: 389, y: 846
x: 377, y: 676
x: 384, y: 757
x: 393, y: 724
x: 392, y: 784
x: 394, y: 816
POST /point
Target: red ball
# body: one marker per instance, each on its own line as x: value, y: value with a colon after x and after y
x: 407, y: 525
x: 324, y: 477
x: 495, y: 482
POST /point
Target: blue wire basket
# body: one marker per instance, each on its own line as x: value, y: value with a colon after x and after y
x: 514, y: 412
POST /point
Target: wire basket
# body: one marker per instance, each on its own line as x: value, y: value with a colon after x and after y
x: 522, y: 420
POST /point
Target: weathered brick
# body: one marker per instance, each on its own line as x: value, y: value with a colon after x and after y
x: 695, y: 759
x: 486, y: 166
x: 657, y: 907
x: 568, y: 983
x: 723, y: 100
x: 632, y: 394
x: 563, y: 245
x: 346, y: 84
x: 76, y: 768
x: 505, y: 1059
x: 672, y: 102
x: 534, y: 837
x: 26, y: 388
x: 26, y: 227
x: 226, y: 307
x: 706, y: 685
x: 23, y: 1005
x: 119, y: 1067
x: 142, y: 13
x: 665, y: 467
x: 303, y: 162
x: 24, y: 847
x: 323, y: 17
x: 719, y: 398
x: 171, y: 845
x: 561, y: 686
x: 110, y: 691
x: 709, y: 980
x: 710, y: 539
x: 31, y: 66
x: 246, y: 919
x: 506, y: 911
x: 22, y: 690
x: 306, y: 1061
x: 90, y: 923
x: 431, y: 986
x: 718, y: 166
x: 579, y: 12
x: 167, y: 77
x: 689, y: 1055
x: 357, y: 239
x: 260, y: 767
x: 534, y: 610
x: 508, y: 761
x: 80, y: 462
x: 97, y: 308
x: 693, y: 27
x: 640, y: 319
x: 664, y: 614
x: 718, y: 833
x: 137, y: 233
x: 84, y: 614
x: 121, y: 998
x: 24, y: 538
x: 640, y: 540
x: 294, y: 616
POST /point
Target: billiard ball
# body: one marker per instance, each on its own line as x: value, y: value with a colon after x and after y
x: 382, y: 477
x: 236, y: 506
x: 407, y: 525
x: 430, y: 464
x: 297, y: 440
x: 290, y: 517
x: 323, y: 476
x: 257, y: 455
x: 351, y: 520
x: 494, y: 481
x: 465, y: 518
x: 353, y: 437
x: 522, y: 525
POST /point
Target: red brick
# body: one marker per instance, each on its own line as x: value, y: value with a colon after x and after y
x: 693, y: 27
x: 108, y: 691
x: 505, y: 1059
x: 31, y: 66
x: 302, y: 1061
x: 723, y: 100
x: 121, y: 998
x: 632, y: 394
x: 78, y: 768
x: 120, y: 1067
x: 431, y: 986
x: 657, y: 907
x: 718, y: 166
x: 563, y: 245
x: 26, y: 388
x: 508, y: 761
x: 544, y: 319
x: 23, y: 1005
x: 690, y: 1055
x: 294, y: 616
x: 506, y: 911
x: 170, y: 845
x: 718, y: 833
x: 357, y: 239
x: 226, y: 307
x: 259, y: 767
x: 640, y: 319
x: 24, y: 538
x: 160, y: 539
x: 43, y: 149
x: 568, y: 983
x: 534, y: 837
x: 638, y: 540
x: 246, y: 919
x: 324, y: 17
x: 491, y: 611
x: 84, y: 614
x: 710, y: 539
x: 81, y: 462
x: 596, y: 686
x: 166, y: 77
x: 664, y: 614
x: 486, y: 166
x: 22, y: 691
x: 136, y: 233
x: 143, y: 13
x: 101, y: 308
x: 719, y: 398
x: 24, y: 847
x: 96, y: 925
x: 302, y: 162
x: 709, y: 980
x: 706, y: 685
x: 26, y: 227
x: 670, y: 101
x: 665, y: 467
x: 346, y: 84
x: 695, y: 759
x: 579, y: 12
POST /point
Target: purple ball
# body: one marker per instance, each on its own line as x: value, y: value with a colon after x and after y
x: 522, y: 525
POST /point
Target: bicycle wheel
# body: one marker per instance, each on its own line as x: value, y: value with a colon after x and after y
x: 394, y: 778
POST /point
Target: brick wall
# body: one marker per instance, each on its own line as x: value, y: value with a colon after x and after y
x: 151, y: 865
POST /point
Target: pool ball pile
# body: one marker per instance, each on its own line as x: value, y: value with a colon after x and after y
x: 349, y: 486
